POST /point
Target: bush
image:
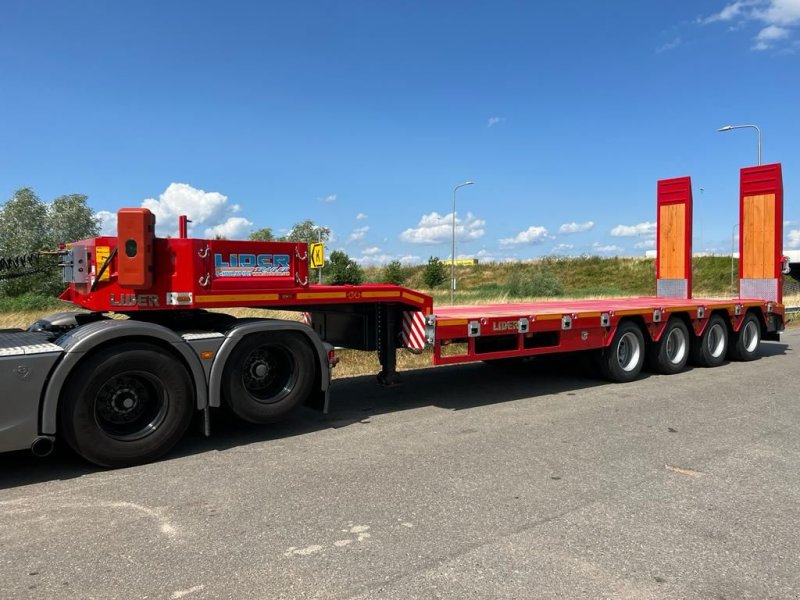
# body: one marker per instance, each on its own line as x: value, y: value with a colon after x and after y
x: 533, y: 283
x: 342, y: 270
x: 394, y: 273
x: 434, y: 274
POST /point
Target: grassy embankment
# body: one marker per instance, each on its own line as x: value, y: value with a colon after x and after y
x: 590, y: 277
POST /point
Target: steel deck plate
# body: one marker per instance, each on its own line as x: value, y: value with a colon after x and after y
x: 568, y: 307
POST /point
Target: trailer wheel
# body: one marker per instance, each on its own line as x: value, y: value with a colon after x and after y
x: 709, y: 349
x: 745, y: 343
x: 126, y: 406
x: 670, y: 354
x: 622, y: 361
x: 267, y: 376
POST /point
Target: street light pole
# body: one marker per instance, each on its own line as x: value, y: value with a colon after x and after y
x: 758, y: 131
x: 453, y: 247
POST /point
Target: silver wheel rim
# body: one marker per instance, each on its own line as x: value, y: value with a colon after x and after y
x: 715, y: 340
x: 676, y: 346
x: 629, y: 351
x: 750, y: 336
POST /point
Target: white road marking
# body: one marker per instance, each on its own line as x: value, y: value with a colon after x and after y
x: 303, y: 551
x: 182, y: 593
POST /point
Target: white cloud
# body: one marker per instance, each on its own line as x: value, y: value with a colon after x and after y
x: 777, y: 15
x: 646, y: 244
x: 772, y: 32
x: 730, y: 12
x: 793, y: 238
x: 437, y: 229
x: 645, y: 228
x: 560, y: 248
x: 768, y: 35
x: 781, y: 12
x: 361, y: 216
x: 373, y: 259
x: 534, y: 234
x: 204, y: 209
x: 495, y: 121
x: 358, y: 235
x: 409, y: 259
x: 576, y: 227
x: 606, y: 249
x: 670, y: 45
x: 329, y: 199
x: 233, y: 228
x: 370, y: 251
x: 107, y: 221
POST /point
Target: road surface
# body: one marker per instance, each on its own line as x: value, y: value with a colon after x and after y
x: 466, y: 482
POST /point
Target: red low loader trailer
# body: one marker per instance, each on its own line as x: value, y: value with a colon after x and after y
x: 122, y: 388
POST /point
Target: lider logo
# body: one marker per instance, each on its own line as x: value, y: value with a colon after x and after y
x: 251, y: 265
x: 504, y: 325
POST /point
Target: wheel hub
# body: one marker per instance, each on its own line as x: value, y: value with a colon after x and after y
x: 124, y: 402
x: 258, y: 370
x: 268, y: 373
x: 676, y: 346
x: 130, y: 406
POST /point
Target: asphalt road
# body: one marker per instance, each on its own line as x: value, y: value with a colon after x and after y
x: 466, y: 482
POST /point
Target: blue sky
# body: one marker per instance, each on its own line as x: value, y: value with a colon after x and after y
x: 363, y: 116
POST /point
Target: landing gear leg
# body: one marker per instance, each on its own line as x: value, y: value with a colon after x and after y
x: 387, y: 350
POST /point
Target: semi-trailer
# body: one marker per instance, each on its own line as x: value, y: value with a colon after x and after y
x: 120, y: 380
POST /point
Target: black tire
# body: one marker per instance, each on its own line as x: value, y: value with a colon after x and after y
x: 745, y: 343
x: 127, y: 405
x: 268, y: 375
x: 670, y: 354
x: 622, y: 360
x: 709, y: 349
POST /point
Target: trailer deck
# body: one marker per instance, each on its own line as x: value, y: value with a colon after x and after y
x: 497, y: 331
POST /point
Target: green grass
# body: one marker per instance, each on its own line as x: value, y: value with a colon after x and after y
x: 31, y: 302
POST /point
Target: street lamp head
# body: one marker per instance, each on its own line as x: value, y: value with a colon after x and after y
x: 468, y: 183
x: 726, y: 128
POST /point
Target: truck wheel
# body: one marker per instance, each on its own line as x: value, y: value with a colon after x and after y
x: 622, y: 360
x: 708, y: 350
x: 670, y: 353
x: 744, y: 345
x: 267, y: 376
x: 126, y: 406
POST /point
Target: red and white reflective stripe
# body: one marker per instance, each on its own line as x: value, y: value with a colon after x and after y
x: 414, y: 330
x: 307, y: 318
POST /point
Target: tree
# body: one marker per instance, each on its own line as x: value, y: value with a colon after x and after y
x: 341, y: 269
x: 27, y: 225
x: 434, y: 273
x: 394, y: 273
x: 262, y: 235
x: 70, y: 219
x: 23, y: 230
x: 307, y: 231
